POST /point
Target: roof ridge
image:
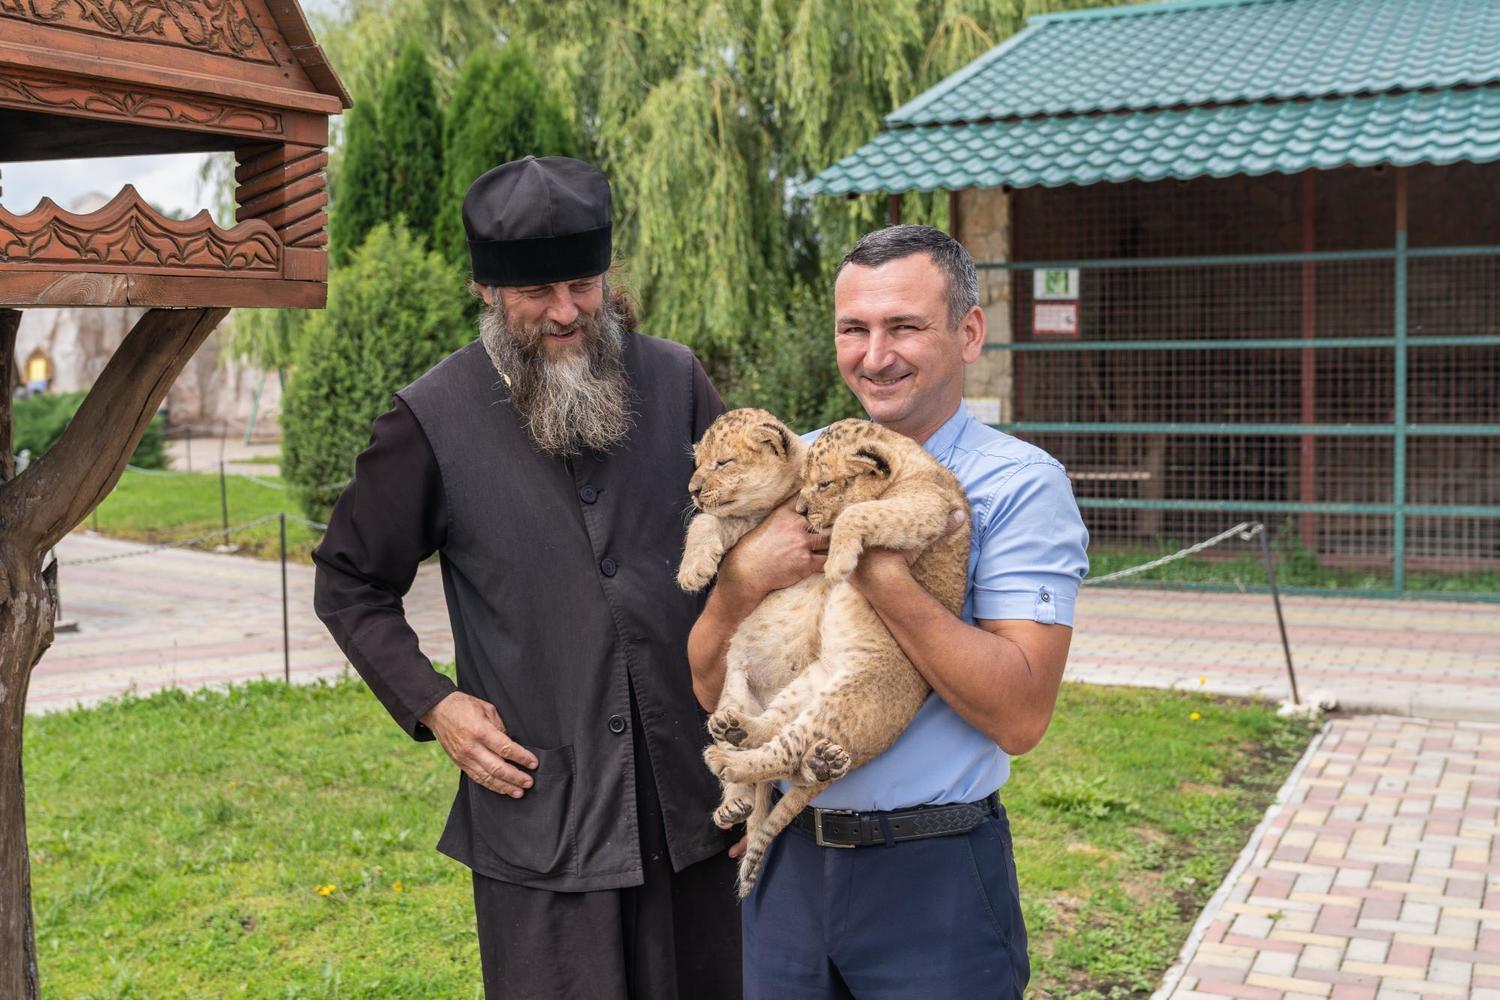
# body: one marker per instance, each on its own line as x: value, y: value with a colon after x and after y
x: 1134, y: 10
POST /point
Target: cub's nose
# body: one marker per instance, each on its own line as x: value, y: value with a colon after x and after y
x: 801, y: 507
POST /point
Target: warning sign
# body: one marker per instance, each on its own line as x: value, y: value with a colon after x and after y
x: 1054, y: 319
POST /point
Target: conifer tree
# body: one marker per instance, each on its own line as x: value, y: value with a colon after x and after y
x: 361, y: 199
x: 394, y: 311
x: 412, y: 132
x: 500, y: 111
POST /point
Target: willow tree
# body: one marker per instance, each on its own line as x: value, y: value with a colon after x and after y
x: 707, y: 115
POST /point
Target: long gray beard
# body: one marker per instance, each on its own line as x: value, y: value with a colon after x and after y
x: 579, y: 402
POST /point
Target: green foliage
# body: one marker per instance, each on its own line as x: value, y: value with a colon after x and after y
x: 788, y: 367
x: 393, y: 312
x: 500, y: 111
x: 40, y: 420
x: 707, y: 115
x: 362, y: 196
x: 412, y: 133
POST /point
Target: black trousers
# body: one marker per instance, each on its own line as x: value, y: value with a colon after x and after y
x: 677, y: 937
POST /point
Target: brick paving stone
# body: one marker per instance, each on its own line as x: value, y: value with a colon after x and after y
x: 1384, y: 907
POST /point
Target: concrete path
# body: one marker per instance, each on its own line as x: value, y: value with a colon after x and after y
x: 1433, y: 659
x: 177, y: 618
x: 1376, y: 876
x: 203, y: 453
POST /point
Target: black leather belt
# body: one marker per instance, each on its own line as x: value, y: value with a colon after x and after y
x: 848, y: 828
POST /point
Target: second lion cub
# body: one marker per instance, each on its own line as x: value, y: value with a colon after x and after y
x: 865, y: 487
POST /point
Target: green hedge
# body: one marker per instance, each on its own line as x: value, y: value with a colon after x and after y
x: 40, y: 420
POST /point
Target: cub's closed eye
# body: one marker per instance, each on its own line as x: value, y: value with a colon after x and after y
x: 722, y: 462
x: 825, y: 484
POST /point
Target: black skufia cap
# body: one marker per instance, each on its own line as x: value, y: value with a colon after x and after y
x: 535, y: 221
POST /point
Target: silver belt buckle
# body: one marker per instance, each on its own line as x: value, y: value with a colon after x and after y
x: 818, y: 826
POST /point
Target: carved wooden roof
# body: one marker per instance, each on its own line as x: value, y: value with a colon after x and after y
x: 83, y: 78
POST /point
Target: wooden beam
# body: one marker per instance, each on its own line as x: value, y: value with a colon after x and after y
x: 10, y: 322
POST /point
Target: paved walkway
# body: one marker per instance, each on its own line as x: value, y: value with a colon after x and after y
x: 1433, y: 659
x: 203, y: 453
x: 177, y: 618
x: 1376, y: 876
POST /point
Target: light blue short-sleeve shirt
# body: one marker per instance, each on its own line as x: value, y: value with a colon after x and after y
x: 1026, y: 561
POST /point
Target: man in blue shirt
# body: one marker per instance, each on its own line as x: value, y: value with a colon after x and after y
x: 925, y: 903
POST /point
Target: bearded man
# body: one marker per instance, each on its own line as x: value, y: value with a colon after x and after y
x: 547, y: 464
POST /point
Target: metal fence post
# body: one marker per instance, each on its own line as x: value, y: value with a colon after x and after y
x: 1398, y: 442
x: 223, y: 503
x: 1286, y: 647
x: 286, y: 641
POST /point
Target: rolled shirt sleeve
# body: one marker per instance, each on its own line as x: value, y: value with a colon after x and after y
x: 389, y: 518
x: 1032, y: 547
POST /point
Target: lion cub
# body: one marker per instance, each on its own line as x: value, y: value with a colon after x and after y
x: 748, y: 464
x: 865, y: 487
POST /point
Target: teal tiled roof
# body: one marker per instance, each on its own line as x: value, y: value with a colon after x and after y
x: 1443, y: 126
x: 1200, y: 88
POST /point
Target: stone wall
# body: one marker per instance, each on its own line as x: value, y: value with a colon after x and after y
x: 209, y: 395
x: 984, y: 228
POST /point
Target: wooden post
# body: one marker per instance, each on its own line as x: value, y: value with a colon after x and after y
x: 39, y: 507
x: 893, y: 210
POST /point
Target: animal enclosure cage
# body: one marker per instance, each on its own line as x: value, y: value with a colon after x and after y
x: 1320, y: 351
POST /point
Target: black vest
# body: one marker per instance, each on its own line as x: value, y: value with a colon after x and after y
x: 560, y: 582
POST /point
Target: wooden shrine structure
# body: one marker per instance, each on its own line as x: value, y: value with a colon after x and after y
x: 81, y: 78
x: 92, y: 78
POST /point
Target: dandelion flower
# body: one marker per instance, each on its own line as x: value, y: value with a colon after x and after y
x: 397, y: 886
x: 1195, y: 716
x: 1203, y: 680
x: 327, y: 890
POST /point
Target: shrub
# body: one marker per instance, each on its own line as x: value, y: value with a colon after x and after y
x: 500, y: 112
x: 40, y: 420
x: 393, y: 312
x: 411, y: 131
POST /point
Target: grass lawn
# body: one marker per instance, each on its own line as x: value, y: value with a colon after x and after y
x: 162, y: 508
x: 277, y: 843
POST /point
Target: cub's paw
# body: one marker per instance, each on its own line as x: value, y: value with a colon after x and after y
x: 843, y: 556
x: 698, y: 567
x: 825, y: 761
x: 732, y: 810
x: 718, y: 758
x: 726, y: 726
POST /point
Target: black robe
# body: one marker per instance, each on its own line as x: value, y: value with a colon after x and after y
x: 560, y: 581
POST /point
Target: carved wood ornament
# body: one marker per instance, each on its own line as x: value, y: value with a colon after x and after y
x: 117, y: 77
x: 220, y: 26
x: 128, y: 234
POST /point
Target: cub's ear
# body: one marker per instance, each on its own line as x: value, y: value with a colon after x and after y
x: 775, y: 437
x: 874, y: 460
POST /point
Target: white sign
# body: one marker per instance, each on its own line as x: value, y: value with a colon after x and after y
x: 1054, y: 319
x: 1061, y: 283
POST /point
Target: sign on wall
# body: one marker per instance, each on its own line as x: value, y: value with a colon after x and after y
x: 1055, y: 294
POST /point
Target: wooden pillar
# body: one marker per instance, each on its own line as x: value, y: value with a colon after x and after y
x: 893, y: 210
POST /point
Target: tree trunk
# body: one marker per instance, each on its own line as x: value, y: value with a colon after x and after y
x: 37, y: 508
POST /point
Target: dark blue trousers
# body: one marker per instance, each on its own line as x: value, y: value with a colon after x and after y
x: 933, y: 919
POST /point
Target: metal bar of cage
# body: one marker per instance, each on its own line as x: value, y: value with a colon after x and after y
x: 1411, y: 407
